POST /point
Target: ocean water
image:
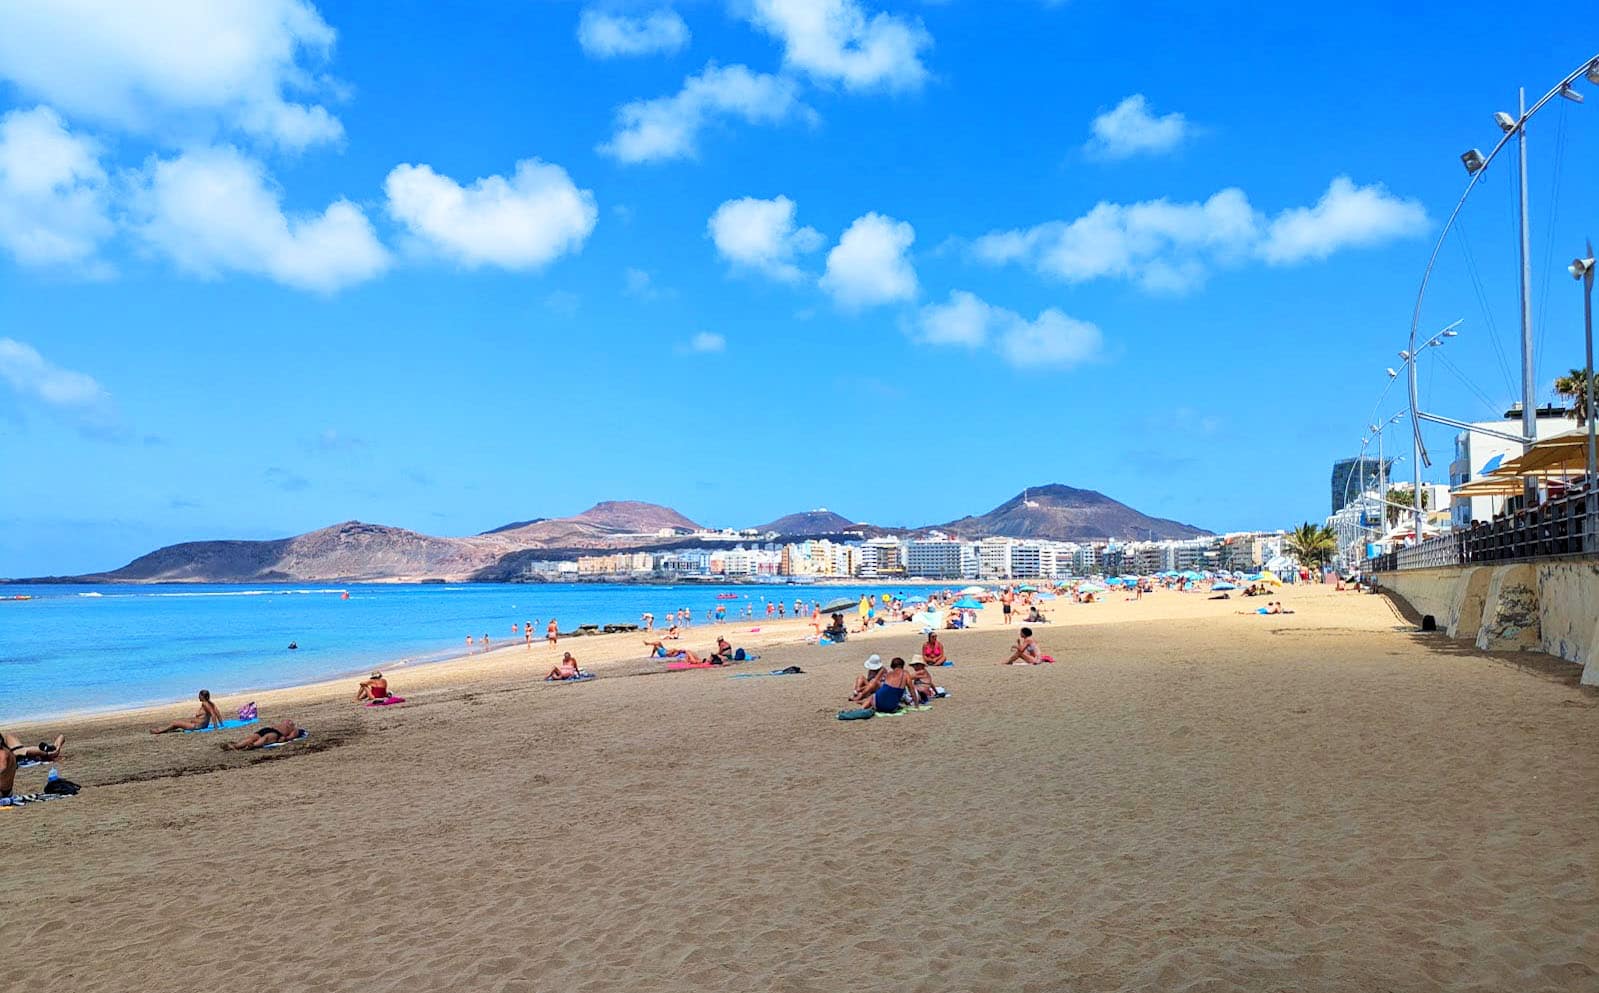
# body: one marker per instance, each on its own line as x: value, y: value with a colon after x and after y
x: 85, y: 648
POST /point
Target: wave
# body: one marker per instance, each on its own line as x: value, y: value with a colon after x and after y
x: 206, y: 593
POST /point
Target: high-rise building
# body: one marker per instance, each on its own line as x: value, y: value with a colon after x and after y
x: 1351, y: 476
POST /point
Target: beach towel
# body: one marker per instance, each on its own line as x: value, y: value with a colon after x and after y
x: 581, y: 677
x: 22, y: 799
x: 387, y: 701
x: 856, y: 715
x: 300, y: 735
x: 792, y: 670
x: 229, y: 723
x: 680, y: 666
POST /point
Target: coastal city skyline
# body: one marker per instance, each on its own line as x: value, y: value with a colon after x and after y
x: 734, y: 259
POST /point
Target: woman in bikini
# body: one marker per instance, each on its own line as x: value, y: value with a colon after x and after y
x: 376, y: 688
x: 208, y: 716
x: 266, y: 734
x: 44, y: 751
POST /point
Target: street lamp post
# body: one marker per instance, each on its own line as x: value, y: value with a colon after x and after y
x: 1583, y: 269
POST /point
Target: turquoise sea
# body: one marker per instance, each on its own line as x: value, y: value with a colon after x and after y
x: 85, y: 648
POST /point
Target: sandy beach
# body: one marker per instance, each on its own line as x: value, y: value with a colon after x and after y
x: 1190, y: 799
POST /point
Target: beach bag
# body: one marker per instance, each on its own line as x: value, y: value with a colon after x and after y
x: 62, y: 787
x: 738, y: 655
x: 247, y: 712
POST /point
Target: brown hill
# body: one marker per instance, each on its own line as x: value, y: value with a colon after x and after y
x: 1063, y: 513
x: 348, y: 552
x: 819, y: 521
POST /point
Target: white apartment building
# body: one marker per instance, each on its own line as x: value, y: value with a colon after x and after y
x: 933, y: 558
x: 1479, y: 454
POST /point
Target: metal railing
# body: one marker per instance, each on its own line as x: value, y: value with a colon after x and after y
x: 1564, y: 527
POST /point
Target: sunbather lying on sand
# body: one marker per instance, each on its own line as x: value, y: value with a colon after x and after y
x: 44, y: 751
x: 208, y: 715
x: 568, y: 668
x: 660, y: 651
x: 1026, y: 650
x: 266, y: 734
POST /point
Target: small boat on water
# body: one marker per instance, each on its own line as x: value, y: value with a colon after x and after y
x: 19, y: 596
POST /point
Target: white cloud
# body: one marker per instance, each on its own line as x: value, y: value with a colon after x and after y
x: 835, y: 40
x: 184, y: 66
x: 525, y: 222
x: 761, y: 235
x: 213, y: 210
x: 605, y: 35
x: 965, y: 320
x: 1346, y: 216
x: 706, y: 343
x: 1051, y: 340
x: 73, y: 397
x: 669, y: 127
x: 1172, y: 247
x: 53, y: 207
x: 868, y: 265
x: 1130, y: 129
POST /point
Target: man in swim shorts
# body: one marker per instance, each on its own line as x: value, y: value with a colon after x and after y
x: 266, y: 734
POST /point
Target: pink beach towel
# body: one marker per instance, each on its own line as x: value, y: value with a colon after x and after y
x: 387, y: 701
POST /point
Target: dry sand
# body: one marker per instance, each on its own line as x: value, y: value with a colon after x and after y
x: 1189, y: 800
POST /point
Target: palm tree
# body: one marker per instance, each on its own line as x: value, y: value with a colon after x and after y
x: 1575, y: 386
x: 1314, y: 545
x: 1403, y: 499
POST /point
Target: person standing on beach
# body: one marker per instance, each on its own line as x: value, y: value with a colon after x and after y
x: 649, y: 621
x: 1006, y: 599
x: 527, y: 634
x: 552, y: 634
x: 721, y: 613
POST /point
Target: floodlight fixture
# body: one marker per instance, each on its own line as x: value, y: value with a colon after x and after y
x: 1473, y: 161
x: 1593, y: 71
x: 1506, y: 123
x: 1392, y: 374
x: 1569, y: 93
x: 1580, y: 268
x: 1405, y: 356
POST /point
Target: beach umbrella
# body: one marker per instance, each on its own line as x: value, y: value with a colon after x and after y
x: 1224, y: 586
x: 1114, y: 581
x: 967, y: 603
x: 1027, y: 589
x: 915, y: 599
x: 973, y: 591
x: 929, y: 619
x: 839, y: 606
x: 1046, y: 596
x: 1090, y: 588
x: 1191, y: 574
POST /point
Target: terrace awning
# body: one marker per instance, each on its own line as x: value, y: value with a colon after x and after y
x: 1564, y: 453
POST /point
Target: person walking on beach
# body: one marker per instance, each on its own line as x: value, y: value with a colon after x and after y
x: 552, y: 634
x: 199, y: 722
x: 721, y: 613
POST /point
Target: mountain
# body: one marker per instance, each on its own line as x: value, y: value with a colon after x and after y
x: 350, y: 552
x: 1063, y: 513
x: 810, y: 522
x: 356, y: 552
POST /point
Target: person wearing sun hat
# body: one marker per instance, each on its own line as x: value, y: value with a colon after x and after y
x: 375, y: 688
x: 874, y: 666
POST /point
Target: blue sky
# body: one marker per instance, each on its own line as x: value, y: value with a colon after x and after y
x: 268, y: 265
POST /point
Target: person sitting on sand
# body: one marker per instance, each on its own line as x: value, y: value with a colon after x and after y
x: 567, y: 669
x: 375, y: 688
x: 835, y: 631
x: 8, y: 772
x: 933, y: 649
x: 889, y: 690
x: 1026, y: 650
x: 874, y: 668
x: 266, y: 734
x: 724, y: 651
x: 1036, y: 616
x: 199, y: 722
x: 44, y: 751
x: 922, y: 682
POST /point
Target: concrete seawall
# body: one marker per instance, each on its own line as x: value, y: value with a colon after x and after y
x: 1550, y: 606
